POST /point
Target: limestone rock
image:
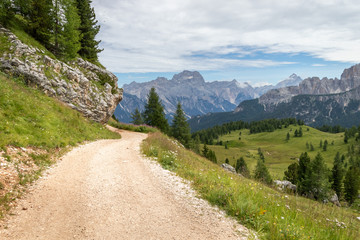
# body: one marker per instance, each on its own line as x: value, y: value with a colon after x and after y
x: 228, y: 167
x: 285, y: 185
x: 79, y: 84
x: 335, y: 200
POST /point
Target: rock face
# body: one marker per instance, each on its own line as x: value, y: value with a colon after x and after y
x: 197, y: 96
x: 285, y: 185
x: 350, y: 79
x: 83, y: 86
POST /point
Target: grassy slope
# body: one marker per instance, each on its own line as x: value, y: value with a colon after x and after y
x: 272, y: 214
x: 30, y: 118
x: 279, y: 153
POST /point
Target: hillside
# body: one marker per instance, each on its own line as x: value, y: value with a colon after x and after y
x: 196, y: 95
x: 34, y: 129
x: 272, y: 214
x: 279, y: 153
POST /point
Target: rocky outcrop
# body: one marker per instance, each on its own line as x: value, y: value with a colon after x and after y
x: 82, y: 85
x: 285, y: 185
x: 229, y: 168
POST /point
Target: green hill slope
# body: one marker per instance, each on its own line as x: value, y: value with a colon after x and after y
x: 29, y: 118
x: 279, y: 153
x: 272, y: 214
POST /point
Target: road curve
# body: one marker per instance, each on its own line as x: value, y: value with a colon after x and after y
x: 107, y: 190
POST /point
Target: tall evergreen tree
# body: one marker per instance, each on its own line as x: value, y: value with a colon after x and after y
x: 180, y: 128
x: 69, y: 35
x: 89, y: 29
x: 352, y: 184
x: 6, y: 12
x: 337, y: 176
x: 319, y: 178
x: 154, y: 112
x: 41, y: 21
x: 303, y: 173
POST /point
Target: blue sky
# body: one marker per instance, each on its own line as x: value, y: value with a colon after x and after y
x: 257, y: 41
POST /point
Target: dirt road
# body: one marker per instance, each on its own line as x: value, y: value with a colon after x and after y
x: 107, y: 190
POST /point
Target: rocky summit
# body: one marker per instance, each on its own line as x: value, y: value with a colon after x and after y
x: 83, y: 86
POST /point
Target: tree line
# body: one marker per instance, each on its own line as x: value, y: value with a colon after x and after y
x: 67, y: 28
x: 268, y: 125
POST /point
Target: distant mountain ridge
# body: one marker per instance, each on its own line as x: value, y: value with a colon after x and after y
x: 317, y: 102
x: 197, y: 96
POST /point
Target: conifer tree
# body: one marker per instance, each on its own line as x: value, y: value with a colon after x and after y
x: 352, y: 184
x: 180, y: 128
x: 303, y: 173
x: 337, y: 177
x: 89, y: 29
x: 287, y: 136
x: 154, y: 112
x: 262, y: 173
x: 136, y: 117
x: 23, y: 7
x: 6, y: 12
x: 41, y: 21
x: 69, y: 36
x: 241, y: 167
x: 291, y: 174
x: 319, y: 178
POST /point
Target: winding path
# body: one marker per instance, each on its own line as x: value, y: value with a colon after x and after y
x: 107, y: 190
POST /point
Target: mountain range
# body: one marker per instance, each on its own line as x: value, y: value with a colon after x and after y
x: 197, y: 96
x: 317, y: 102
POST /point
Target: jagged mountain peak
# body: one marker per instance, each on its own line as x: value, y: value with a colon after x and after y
x: 292, y: 80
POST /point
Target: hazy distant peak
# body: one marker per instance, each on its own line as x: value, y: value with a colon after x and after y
x: 188, y: 76
x: 292, y: 80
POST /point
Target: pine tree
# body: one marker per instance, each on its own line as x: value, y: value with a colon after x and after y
x: 303, y: 173
x: 337, y: 177
x: 227, y: 161
x: 319, y: 178
x: 89, y: 29
x: 6, y: 12
x: 325, y: 145
x: 136, y: 117
x: 180, y: 128
x: 292, y: 173
x: 352, y: 184
x: 154, y: 112
x: 69, y: 37
x: 41, y: 21
x: 241, y: 167
x: 23, y: 7
x: 287, y: 136
x: 262, y: 173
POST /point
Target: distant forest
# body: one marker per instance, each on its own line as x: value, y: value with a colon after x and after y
x: 67, y: 28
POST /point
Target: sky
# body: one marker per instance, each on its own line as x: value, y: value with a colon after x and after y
x: 255, y: 41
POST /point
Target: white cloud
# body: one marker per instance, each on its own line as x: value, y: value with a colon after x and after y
x: 318, y: 65
x: 164, y: 35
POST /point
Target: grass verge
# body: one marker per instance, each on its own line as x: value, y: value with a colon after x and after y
x: 273, y: 215
x: 132, y: 127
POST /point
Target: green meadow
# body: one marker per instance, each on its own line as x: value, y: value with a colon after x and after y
x: 279, y: 153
